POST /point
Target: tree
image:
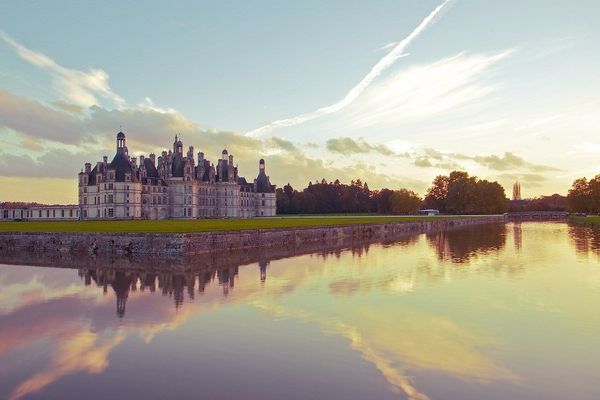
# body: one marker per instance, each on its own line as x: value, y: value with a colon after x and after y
x: 578, y: 197
x: 460, y: 193
x: 405, y: 201
x: 437, y: 194
x: 382, y: 199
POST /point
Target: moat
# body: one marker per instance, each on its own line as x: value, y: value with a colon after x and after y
x: 493, y: 311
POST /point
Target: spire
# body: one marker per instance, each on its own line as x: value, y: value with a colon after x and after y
x: 121, y: 142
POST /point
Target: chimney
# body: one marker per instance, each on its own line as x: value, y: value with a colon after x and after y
x: 105, y: 159
x: 134, y: 161
x: 88, y: 167
x: 153, y: 158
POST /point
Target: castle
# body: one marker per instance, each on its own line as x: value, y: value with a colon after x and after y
x: 174, y: 186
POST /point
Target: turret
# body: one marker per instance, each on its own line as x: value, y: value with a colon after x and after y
x: 121, y: 148
x: 177, y: 146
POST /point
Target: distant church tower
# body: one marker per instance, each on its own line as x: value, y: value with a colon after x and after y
x: 516, y: 191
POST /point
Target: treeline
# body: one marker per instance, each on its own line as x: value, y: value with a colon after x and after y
x: 555, y: 202
x: 584, y: 195
x: 457, y: 193
x: 336, y: 197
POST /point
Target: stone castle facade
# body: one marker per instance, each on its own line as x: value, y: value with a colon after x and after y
x: 174, y: 185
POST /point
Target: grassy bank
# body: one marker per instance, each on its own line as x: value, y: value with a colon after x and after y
x: 202, y: 225
x: 593, y: 220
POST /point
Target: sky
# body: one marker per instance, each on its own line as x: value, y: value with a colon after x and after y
x: 390, y: 92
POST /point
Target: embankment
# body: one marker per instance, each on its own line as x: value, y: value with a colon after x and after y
x: 176, y: 244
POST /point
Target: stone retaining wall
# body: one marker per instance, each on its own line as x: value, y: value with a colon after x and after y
x: 207, y: 242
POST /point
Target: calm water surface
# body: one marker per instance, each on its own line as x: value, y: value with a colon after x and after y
x: 492, y: 312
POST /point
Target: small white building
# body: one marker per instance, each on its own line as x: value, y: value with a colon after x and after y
x: 38, y: 212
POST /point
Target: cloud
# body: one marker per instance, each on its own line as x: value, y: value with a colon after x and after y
x: 90, y: 134
x: 423, y: 162
x: 68, y: 107
x: 424, y: 90
x: 49, y: 164
x: 37, y: 120
x: 78, y: 87
x: 348, y: 146
x: 509, y: 161
x: 387, y: 61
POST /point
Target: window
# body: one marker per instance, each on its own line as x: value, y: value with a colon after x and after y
x: 62, y: 213
x: 53, y: 213
x: 111, y: 212
x: 85, y: 200
x: 84, y: 213
x: 84, y: 190
x: 110, y: 186
x: 70, y: 213
x: 263, y: 203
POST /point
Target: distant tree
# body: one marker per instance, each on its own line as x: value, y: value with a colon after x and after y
x: 594, y: 195
x: 490, y: 198
x: 578, y: 198
x: 382, y: 199
x: 437, y: 194
x: 405, y: 201
x: 462, y: 193
x: 306, y: 203
x: 459, y: 193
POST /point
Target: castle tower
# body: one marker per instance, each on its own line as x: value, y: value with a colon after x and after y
x: 516, y: 191
x: 121, y: 142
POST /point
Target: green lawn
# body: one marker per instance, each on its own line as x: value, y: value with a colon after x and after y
x: 201, y: 225
x: 590, y: 219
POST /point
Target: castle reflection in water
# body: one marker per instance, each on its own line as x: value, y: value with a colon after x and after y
x: 188, y: 279
x: 173, y: 285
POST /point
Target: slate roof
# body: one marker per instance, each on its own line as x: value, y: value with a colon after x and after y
x: 122, y: 165
x: 263, y: 184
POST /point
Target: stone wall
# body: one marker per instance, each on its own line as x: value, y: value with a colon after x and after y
x: 208, y: 242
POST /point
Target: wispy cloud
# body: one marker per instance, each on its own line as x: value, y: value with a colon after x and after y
x: 381, y: 66
x: 424, y: 90
x: 78, y: 87
x: 506, y: 162
x: 348, y: 146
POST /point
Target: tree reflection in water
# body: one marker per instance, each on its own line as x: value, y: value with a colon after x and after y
x: 586, y: 240
x: 460, y: 245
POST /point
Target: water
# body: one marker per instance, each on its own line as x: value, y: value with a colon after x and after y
x: 490, y: 312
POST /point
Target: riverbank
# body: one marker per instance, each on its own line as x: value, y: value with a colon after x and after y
x: 190, y: 243
x: 204, y: 225
x: 590, y: 220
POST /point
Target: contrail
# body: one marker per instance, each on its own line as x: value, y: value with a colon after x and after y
x: 378, y: 69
